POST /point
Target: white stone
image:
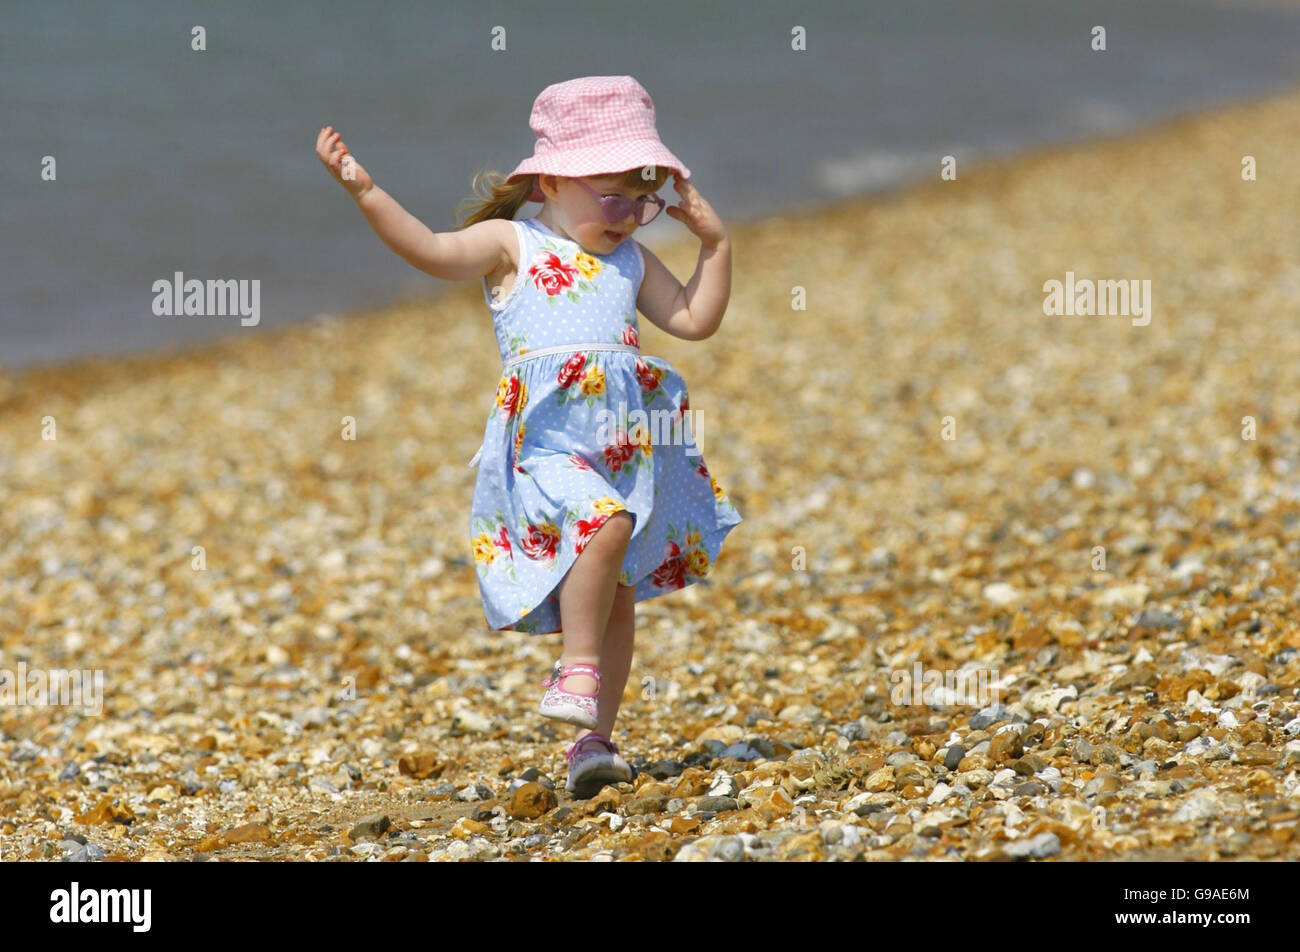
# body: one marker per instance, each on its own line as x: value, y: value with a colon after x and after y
x: 938, y: 794
x: 1000, y: 593
x: 1124, y: 596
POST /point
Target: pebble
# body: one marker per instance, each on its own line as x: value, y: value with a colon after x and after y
x: 938, y: 794
x: 717, y: 804
x: 76, y: 852
x: 531, y: 800
x: 371, y: 826
x: 1038, y: 847
x: 723, y: 785
x: 1201, y: 805
x: 1000, y: 593
x: 729, y: 849
x: 1290, y: 754
x: 665, y: 769
x: 740, y: 751
x: 990, y: 715
x: 1156, y: 618
x: 1047, y: 701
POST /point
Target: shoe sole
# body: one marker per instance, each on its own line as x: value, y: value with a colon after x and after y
x: 577, y: 720
x: 598, y: 777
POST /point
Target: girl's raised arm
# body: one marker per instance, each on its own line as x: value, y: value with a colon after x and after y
x: 463, y: 255
x: 453, y: 256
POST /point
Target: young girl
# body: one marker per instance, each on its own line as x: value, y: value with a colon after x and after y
x: 591, y: 495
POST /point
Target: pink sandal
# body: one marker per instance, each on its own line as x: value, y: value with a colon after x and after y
x: 598, y: 762
x: 572, y: 707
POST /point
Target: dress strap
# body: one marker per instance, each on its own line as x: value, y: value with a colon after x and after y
x: 521, y: 270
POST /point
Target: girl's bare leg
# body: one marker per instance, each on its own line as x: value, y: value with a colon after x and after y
x: 615, y: 660
x: 587, y: 598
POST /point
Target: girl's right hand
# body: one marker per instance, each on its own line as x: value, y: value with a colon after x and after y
x: 347, y: 171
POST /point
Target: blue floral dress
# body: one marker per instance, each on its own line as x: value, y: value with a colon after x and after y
x: 578, y: 433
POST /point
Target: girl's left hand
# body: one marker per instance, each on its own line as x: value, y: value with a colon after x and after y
x: 697, y: 214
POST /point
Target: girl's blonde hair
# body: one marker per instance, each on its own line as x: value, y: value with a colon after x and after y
x: 497, y: 198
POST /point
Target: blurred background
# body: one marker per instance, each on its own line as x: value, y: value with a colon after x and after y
x: 202, y: 162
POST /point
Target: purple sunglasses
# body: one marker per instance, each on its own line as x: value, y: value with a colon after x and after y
x: 616, y: 207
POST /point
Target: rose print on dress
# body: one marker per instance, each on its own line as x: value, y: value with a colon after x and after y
x: 555, y: 469
x: 581, y: 378
x: 629, y: 451
x: 519, y: 441
x: 571, y: 372
x: 541, y: 542
x: 503, y: 542
x: 512, y: 396
x: 696, y: 556
x: 583, y: 529
x: 588, y: 265
x: 685, y: 558
x: 649, y: 377
x: 552, y: 274
x: 671, y: 572
x: 491, y: 546
x: 608, y: 505
x: 555, y: 273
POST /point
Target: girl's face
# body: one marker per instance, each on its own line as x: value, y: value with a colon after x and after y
x: 579, y: 215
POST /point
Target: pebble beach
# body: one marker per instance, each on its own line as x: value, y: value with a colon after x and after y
x: 1096, y: 513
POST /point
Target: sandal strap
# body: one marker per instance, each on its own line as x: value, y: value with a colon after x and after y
x: 599, y: 738
x: 560, y: 672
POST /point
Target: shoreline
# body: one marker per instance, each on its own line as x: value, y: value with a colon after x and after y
x: 989, y: 168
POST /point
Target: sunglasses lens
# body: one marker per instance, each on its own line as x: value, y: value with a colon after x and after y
x: 616, y: 208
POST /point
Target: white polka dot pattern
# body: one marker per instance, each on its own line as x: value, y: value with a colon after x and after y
x: 564, y: 447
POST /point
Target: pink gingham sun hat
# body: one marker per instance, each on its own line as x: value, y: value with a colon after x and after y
x: 594, y: 125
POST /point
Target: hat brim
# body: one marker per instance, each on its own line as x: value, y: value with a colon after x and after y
x: 599, y: 160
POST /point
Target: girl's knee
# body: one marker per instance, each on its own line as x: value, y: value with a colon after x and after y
x: 619, y: 525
